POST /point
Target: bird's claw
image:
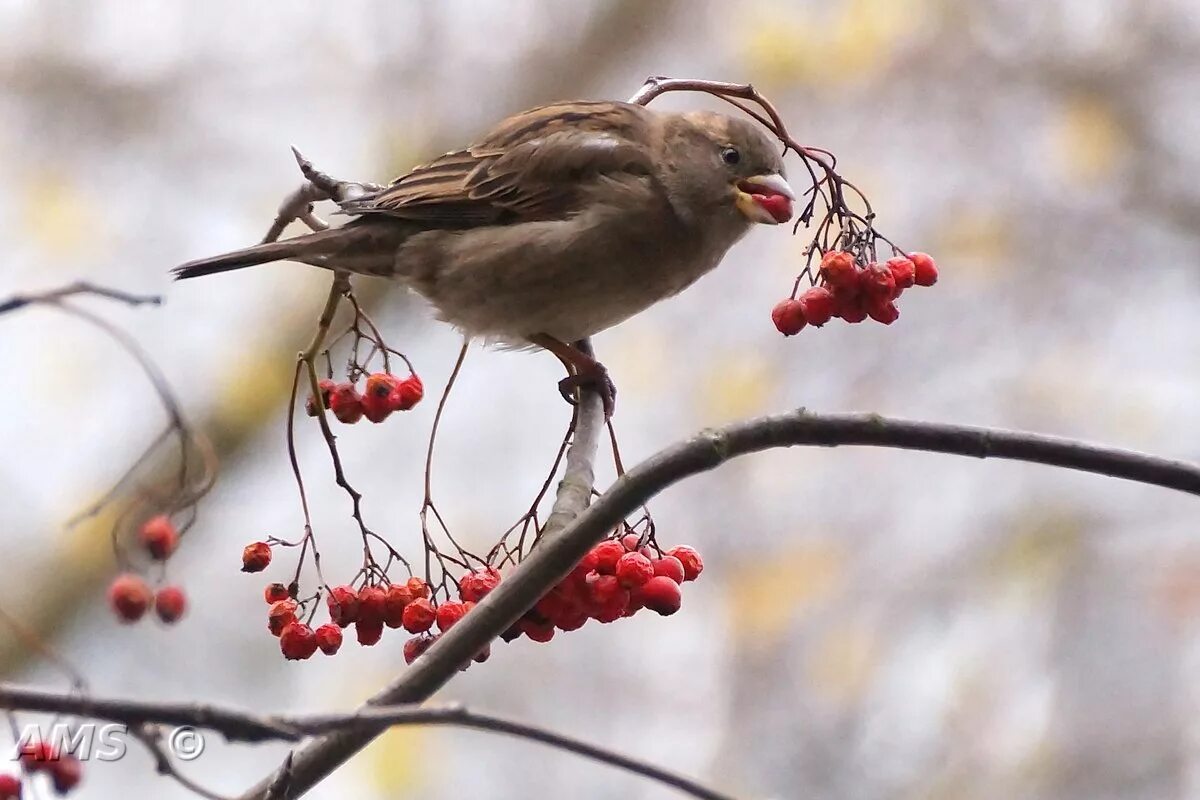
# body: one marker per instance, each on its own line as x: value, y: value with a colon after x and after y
x: 596, y: 380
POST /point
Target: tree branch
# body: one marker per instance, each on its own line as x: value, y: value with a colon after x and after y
x: 242, y: 726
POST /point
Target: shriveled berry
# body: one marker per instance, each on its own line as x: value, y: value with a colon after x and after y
x: 448, y: 614
x: 418, y: 616
x: 903, y: 270
x: 10, y: 787
x: 415, y: 646
x: 418, y: 587
x: 603, y: 588
x: 395, y: 599
x: 926, y: 270
x: 310, y: 405
x: 345, y: 403
x: 297, y: 641
x: 372, y: 604
x: 159, y: 537
x: 170, y: 603
x: 693, y: 565
x: 280, y: 615
x: 607, y: 553
x: 877, y: 281
x: 816, y: 304
x: 476, y: 585
x: 661, y: 594
x: 376, y: 397
x: 275, y: 592
x: 882, y: 310
x: 65, y: 773
x: 634, y: 569
x: 329, y: 638
x: 614, y: 608
x: 669, y: 566
x: 849, y: 306
x: 837, y: 268
x: 407, y: 394
x: 342, y: 602
x: 256, y: 556
x: 572, y: 621
x: 129, y: 597
x: 788, y: 316
x: 538, y: 632
x: 631, y: 541
x: 368, y: 631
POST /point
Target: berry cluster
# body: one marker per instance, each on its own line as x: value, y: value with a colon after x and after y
x: 853, y: 292
x: 63, y: 769
x: 383, y: 394
x: 616, y: 579
x: 129, y: 596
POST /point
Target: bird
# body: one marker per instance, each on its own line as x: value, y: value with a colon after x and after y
x: 558, y: 223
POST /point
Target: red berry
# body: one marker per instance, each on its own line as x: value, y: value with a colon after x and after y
x: 849, y: 306
x: 376, y: 398
x: 297, y: 641
x: 603, y: 588
x: 129, y: 597
x: 310, y: 405
x: 926, y: 271
x: 572, y: 621
x: 280, y: 615
x: 159, y: 537
x: 631, y: 541
x: 329, y: 638
x: 816, y: 305
x: 10, y: 787
x: 275, y: 592
x: 669, y: 566
x: 788, y: 316
x: 877, y: 281
x: 882, y: 310
x: 395, y: 599
x: 36, y: 755
x: 693, y: 565
x: 170, y: 603
x: 342, y: 602
x: 837, y: 268
x: 903, y: 270
x: 538, y: 632
x: 415, y: 646
x: 634, y: 569
x: 372, y: 604
x: 483, y: 655
x: 614, y: 608
x: 419, y: 615
x: 256, y: 556
x: 607, y: 553
x: 449, y: 613
x: 345, y: 403
x: 368, y: 631
x: 661, y: 594
x: 478, y: 584
x: 407, y: 394
x: 65, y: 773
x: 418, y: 587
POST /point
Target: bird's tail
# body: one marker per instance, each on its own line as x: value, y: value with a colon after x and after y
x: 353, y: 247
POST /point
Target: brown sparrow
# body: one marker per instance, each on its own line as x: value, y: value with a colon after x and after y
x: 560, y: 222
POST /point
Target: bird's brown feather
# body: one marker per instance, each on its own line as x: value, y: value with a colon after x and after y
x: 533, y: 166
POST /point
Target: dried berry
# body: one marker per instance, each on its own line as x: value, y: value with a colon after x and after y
x: 419, y: 616
x: 903, y: 270
x: 416, y: 646
x: 280, y: 615
x: 634, y: 569
x: 310, y: 405
x: 342, y: 602
x: 877, y: 281
x: 395, y: 599
x: 669, y: 566
x: 329, y: 638
x: 476, y: 585
x: 882, y: 310
x: 407, y: 394
x: 693, y: 565
x: 376, y: 398
x: 345, y: 403
x: 256, y: 556
x: 297, y: 641
x: 372, y: 603
x: 607, y: 553
x: 276, y: 592
x: 170, y: 603
x: 368, y: 631
x: 788, y: 316
x: 448, y: 614
x: 129, y: 597
x: 816, y: 305
x: 926, y: 272
x: 418, y: 587
x: 159, y: 537
x: 837, y: 268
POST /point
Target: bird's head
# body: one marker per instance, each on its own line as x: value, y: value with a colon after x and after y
x: 728, y: 167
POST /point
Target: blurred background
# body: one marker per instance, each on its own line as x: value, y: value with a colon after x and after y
x: 870, y: 624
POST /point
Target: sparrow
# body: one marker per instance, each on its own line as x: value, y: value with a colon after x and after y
x: 559, y: 223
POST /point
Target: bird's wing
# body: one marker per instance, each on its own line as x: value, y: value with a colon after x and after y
x: 532, y: 166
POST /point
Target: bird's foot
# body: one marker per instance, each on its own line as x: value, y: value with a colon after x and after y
x: 592, y: 377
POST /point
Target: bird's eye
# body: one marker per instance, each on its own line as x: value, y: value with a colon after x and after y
x: 731, y: 156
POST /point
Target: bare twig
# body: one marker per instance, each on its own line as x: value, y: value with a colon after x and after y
x: 242, y: 726
x: 150, y: 737
x: 53, y: 296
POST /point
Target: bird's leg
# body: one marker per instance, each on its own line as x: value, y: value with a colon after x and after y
x: 583, y: 370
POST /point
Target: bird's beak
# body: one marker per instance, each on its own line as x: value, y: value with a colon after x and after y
x: 765, y: 198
